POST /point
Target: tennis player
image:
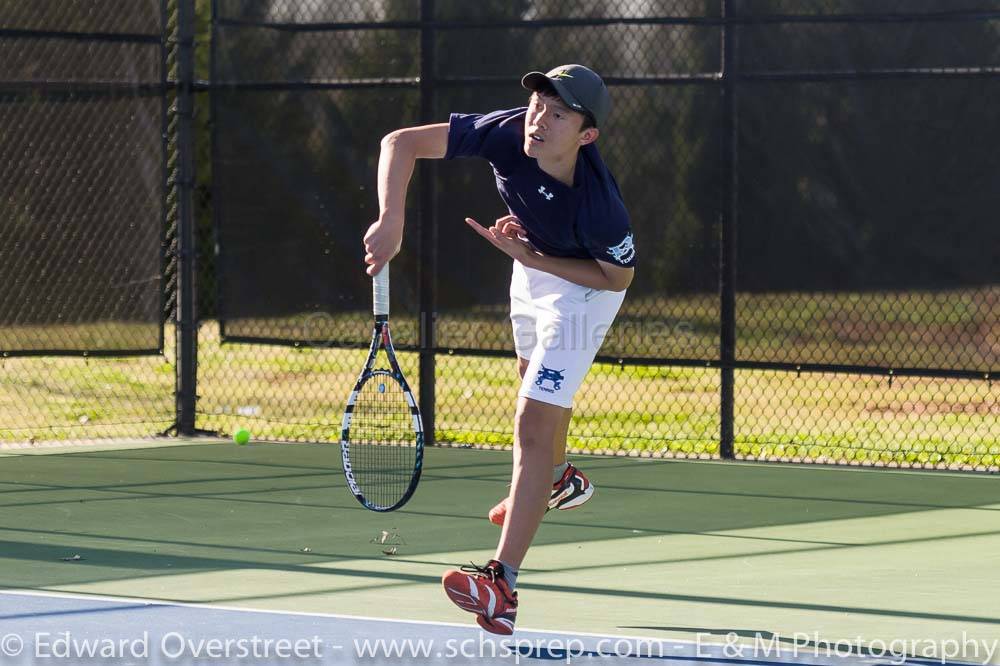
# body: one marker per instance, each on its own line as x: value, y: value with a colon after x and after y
x: 573, y: 257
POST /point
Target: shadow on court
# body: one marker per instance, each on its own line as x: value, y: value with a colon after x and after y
x: 661, y: 538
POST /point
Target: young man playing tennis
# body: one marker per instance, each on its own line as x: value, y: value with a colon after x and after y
x: 569, y: 237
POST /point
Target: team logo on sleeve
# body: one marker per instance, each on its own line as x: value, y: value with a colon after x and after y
x: 624, y: 252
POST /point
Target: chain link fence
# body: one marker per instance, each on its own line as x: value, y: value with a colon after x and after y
x: 809, y: 183
x: 83, y: 221
x: 865, y: 254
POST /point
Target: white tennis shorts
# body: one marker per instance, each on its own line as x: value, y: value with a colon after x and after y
x: 558, y: 327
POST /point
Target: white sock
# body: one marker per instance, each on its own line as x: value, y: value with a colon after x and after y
x: 509, y: 575
x: 558, y: 471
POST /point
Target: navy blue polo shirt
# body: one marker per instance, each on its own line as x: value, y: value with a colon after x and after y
x: 585, y: 221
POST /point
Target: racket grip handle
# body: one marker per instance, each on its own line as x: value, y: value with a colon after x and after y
x: 380, y: 292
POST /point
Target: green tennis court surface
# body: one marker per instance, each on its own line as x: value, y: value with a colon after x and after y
x: 681, y: 551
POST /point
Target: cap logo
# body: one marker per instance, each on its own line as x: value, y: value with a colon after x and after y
x: 561, y: 75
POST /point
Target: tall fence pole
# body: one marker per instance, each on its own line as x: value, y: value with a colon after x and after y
x: 727, y: 251
x: 186, y: 328
x: 428, y: 231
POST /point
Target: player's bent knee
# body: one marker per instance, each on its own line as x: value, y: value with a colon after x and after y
x: 536, y: 422
x: 528, y: 440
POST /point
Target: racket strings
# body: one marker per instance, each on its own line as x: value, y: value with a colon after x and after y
x: 382, y: 440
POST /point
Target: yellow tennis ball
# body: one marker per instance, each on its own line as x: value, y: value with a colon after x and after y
x: 241, y: 436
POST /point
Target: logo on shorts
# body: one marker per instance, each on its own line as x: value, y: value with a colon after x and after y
x: 548, y: 375
x: 548, y: 195
x: 624, y: 252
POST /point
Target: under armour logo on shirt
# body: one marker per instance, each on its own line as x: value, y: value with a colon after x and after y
x: 548, y: 195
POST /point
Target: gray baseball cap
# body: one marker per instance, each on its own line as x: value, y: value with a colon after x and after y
x: 581, y: 88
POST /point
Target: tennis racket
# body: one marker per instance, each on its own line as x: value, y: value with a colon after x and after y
x: 382, y: 436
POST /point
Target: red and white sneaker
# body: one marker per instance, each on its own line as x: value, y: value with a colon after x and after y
x: 483, y: 591
x: 570, y: 491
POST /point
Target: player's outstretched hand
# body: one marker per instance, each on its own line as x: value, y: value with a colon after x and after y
x: 507, y: 235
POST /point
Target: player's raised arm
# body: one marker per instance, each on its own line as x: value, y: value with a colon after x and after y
x: 400, y: 150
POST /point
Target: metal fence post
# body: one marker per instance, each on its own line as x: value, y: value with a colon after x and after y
x: 427, y: 220
x: 727, y: 254
x: 186, y: 326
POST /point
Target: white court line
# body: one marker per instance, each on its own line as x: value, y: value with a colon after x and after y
x: 676, y: 643
x: 336, y: 616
